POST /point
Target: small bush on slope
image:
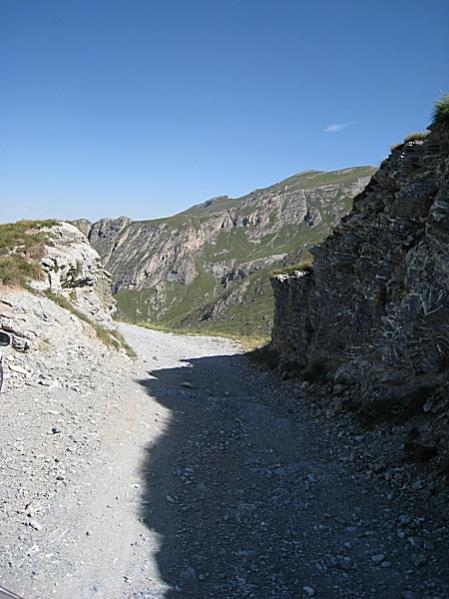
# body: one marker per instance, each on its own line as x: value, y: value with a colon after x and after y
x: 441, y: 110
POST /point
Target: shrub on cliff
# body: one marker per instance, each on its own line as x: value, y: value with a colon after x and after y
x: 441, y: 110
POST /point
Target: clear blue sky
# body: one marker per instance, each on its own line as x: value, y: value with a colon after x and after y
x: 144, y: 107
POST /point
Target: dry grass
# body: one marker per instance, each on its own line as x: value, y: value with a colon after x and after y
x: 21, y: 249
x: 416, y: 136
x: 304, y: 266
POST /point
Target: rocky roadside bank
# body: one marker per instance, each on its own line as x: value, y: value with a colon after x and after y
x: 369, y: 320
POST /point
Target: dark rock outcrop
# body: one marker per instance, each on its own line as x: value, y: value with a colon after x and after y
x: 374, y: 311
x: 369, y: 323
x: 73, y: 269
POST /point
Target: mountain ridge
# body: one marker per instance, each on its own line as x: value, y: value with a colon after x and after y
x: 208, y: 266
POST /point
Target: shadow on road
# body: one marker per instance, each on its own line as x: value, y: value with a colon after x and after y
x: 248, y: 502
x: 189, y: 473
x: 205, y: 484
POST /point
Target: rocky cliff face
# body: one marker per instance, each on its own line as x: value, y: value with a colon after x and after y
x: 210, y: 265
x: 72, y: 269
x: 63, y: 321
x: 373, y: 312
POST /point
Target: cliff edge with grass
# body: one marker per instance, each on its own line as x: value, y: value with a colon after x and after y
x: 55, y: 301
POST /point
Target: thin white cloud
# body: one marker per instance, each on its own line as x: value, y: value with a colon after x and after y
x: 336, y: 127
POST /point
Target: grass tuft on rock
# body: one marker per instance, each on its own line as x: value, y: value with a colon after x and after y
x: 303, y: 266
x: 21, y: 249
x: 413, y: 136
x: 441, y: 110
x: 416, y: 136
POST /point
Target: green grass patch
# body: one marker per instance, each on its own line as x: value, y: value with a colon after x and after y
x: 17, y: 271
x: 110, y: 338
x: 441, y: 110
x: 22, y: 246
x: 181, y: 300
x: 303, y: 266
x: 314, y: 179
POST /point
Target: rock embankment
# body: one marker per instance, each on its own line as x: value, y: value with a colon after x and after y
x: 372, y: 316
x: 73, y: 269
x: 50, y: 345
x: 63, y: 320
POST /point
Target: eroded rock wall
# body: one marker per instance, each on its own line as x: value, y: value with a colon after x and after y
x: 54, y: 325
x: 374, y: 311
x: 73, y: 269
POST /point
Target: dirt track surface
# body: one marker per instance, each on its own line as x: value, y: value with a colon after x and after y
x: 190, y: 473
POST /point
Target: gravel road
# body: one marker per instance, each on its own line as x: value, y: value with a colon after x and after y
x: 190, y: 473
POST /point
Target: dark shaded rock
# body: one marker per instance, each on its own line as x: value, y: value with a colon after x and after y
x: 374, y: 311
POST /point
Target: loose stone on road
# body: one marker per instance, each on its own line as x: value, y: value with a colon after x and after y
x: 190, y: 473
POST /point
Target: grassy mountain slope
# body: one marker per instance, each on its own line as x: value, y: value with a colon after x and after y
x: 208, y: 267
